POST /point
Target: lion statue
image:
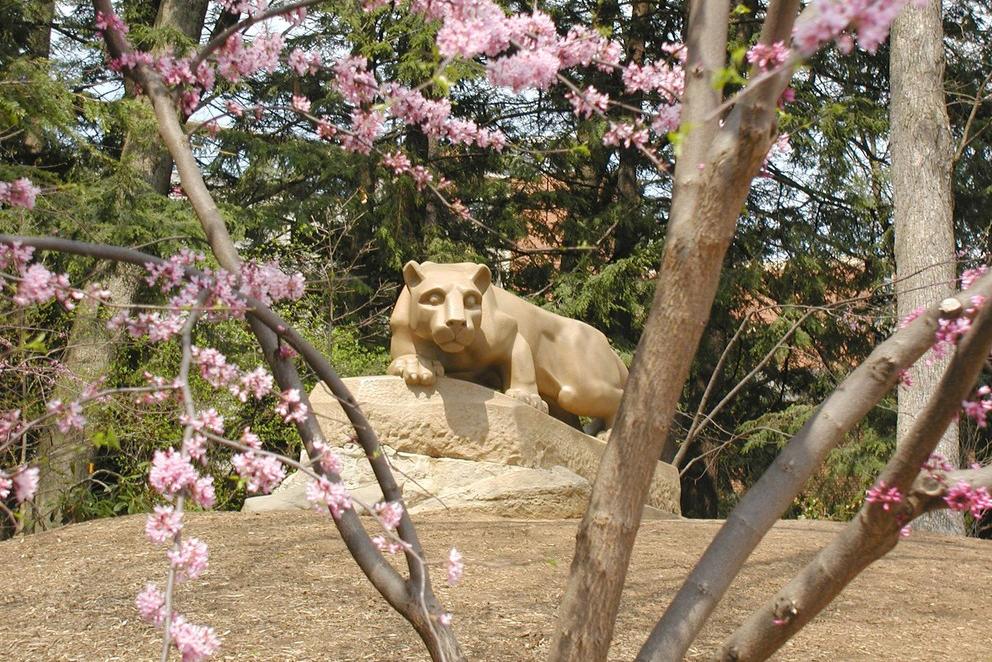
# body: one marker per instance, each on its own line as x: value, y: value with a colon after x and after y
x: 450, y: 319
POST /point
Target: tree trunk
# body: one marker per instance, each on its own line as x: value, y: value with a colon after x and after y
x: 145, y: 151
x: 64, y: 457
x: 922, y: 164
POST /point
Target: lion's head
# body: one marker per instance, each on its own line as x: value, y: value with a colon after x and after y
x: 446, y: 301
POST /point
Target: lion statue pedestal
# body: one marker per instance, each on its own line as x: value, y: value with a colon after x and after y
x: 472, y: 447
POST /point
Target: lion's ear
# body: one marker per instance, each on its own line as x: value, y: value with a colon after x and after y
x: 412, y: 275
x: 483, y: 278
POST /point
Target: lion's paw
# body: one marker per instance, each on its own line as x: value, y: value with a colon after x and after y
x: 532, y: 399
x: 416, y: 370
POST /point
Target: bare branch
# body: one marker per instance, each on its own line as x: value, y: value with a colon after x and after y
x: 875, y: 530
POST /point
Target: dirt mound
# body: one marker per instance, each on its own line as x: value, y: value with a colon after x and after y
x: 280, y: 586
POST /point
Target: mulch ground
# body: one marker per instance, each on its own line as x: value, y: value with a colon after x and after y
x: 280, y: 586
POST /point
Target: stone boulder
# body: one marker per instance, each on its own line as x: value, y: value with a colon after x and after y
x: 432, y: 484
x: 463, y: 421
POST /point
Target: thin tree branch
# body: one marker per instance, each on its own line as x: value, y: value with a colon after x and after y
x: 875, y: 530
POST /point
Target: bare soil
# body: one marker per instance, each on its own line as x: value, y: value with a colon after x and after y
x: 280, y: 586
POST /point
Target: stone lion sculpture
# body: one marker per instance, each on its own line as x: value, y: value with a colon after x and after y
x: 450, y: 319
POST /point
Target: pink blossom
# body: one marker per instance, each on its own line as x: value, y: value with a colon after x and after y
x: 171, y: 472
x: 19, y: 193
x: 959, y: 497
x: 15, y: 255
x: 25, y: 483
x: 389, y: 513
x: 334, y: 496
x: 588, y: 102
x: 767, y: 57
x: 667, y: 118
x: 667, y: 79
x: 969, y: 276
x: 455, y: 567
x: 257, y: 383
x: 329, y: 460
x: 387, y: 546
x: 261, y: 473
x: 583, y: 46
x: 194, y: 642
x: 37, y: 286
x: 537, y: 69
x: 297, y: 16
x: 10, y: 425
x: 68, y: 417
x: 190, y: 560
x: 354, y: 80
x: 398, y: 162
x: 626, y: 134
x: 445, y: 619
x: 151, y: 605
x: 214, y: 367
x: 905, y: 531
x: 908, y: 319
x: 887, y: 496
x: 5, y: 484
x: 202, y: 492
x: 205, y: 419
x: 868, y: 19
x: 372, y: 5
x: 325, y: 130
x: 163, y: 524
x: 365, y: 126
x: 268, y: 283
x: 905, y: 379
x: 291, y: 407
x: 301, y: 104
x: 112, y: 21
x: 189, y: 101
x: 964, y: 497
x: 937, y: 463
x: 235, y: 108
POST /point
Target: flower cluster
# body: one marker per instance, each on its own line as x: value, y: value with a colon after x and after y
x: 963, y: 497
x: 291, y: 406
x: 35, y: 284
x: 19, y: 193
x: 217, y: 372
x: 261, y: 473
x: 334, y: 496
x: 194, y: 642
x: 455, y: 567
x: 887, y: 496
x: 23, y: 480
x: 868, y: 20
x: 768, y: 56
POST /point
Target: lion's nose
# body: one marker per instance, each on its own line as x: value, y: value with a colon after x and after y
x: 455, y: 324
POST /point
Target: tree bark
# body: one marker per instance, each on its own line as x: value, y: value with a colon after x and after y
x: 145, y: 152
x: 64, y: 456
x: 922, y: 165
x: 712, y: 179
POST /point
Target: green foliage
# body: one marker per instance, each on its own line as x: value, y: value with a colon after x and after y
x: 836, y: 491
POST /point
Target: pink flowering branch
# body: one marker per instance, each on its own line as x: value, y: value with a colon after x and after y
x: 876, y: 528
x: 221, y: 38
x: 403, y: 595
x: 397, y: 591
x: 188, y: 404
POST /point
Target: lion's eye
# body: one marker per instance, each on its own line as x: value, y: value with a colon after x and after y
x: 471, y: 301
x: 435, y: 299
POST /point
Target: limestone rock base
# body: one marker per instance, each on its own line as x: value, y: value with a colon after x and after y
x: 466, y: 447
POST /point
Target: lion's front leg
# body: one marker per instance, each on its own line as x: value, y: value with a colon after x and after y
x: 416, y: 370
x: 520, y: 377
